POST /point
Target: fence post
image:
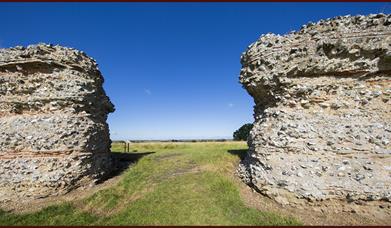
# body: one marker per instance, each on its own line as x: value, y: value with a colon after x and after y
x: 127, y: 146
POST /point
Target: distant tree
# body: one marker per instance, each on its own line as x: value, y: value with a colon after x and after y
x: 243, y: 132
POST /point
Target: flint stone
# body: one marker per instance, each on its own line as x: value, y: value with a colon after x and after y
x: 331, y: 82
x: 53, y: 111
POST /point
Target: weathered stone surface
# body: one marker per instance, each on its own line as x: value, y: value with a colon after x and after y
x: 322, y: 125
x: 53, y: 112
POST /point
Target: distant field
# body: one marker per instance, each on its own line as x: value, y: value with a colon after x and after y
x: 179, y: 184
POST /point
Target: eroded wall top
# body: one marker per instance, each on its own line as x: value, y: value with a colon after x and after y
x: 346, y: 45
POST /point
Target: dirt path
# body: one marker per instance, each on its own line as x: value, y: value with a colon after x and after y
x: 322, y: 213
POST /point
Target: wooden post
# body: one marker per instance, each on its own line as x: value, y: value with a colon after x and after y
x: 124, y: 146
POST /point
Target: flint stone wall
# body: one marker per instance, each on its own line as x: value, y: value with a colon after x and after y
x: 322, y: 125
x: 53, y: 110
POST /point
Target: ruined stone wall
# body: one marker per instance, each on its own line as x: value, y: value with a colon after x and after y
x: 53, y: 131
x: 322, y: 125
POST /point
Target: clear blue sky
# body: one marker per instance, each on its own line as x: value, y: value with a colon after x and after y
x: 171, y: 69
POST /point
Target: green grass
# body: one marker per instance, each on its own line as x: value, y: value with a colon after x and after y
x: 53, y: 215
x: 179, y: 184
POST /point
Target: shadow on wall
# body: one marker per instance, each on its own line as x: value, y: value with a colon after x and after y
x: 240, y: 153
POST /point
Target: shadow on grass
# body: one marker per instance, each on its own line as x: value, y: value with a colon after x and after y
x: 122, y: 161
x: 240, y: 153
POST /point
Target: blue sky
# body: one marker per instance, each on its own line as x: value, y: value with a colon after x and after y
x: 171, y: 69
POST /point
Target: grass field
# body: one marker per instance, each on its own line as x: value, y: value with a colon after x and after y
x: 178, y: 184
